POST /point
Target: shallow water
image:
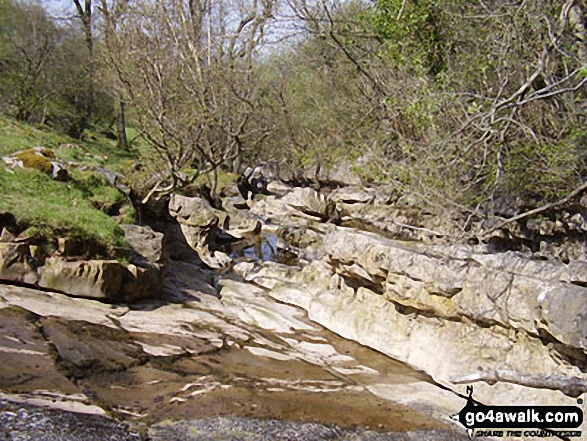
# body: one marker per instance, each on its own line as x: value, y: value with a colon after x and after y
x: 262, y: 247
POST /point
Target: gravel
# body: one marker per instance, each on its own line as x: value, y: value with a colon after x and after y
x: 23, y: 422
x: 244, y: 429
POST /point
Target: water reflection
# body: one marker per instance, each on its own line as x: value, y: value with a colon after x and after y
x: 265, y: 247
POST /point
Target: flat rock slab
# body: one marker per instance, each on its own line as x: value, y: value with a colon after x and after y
x: 27, y: 362
x: 198, y: 353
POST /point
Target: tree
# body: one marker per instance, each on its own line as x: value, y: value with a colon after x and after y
x: 325, y: 95
x: 85, y: 15
x: 112, y: 12
x: 498, y: 106
x: 458, y: 101
x: 29, y: 40
x: 188, y: 72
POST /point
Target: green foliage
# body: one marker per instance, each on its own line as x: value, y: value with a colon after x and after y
x: 544, y: 169
x: 416, y: 89
x: 56, y: 209
x: 413, y: 33
x: 319, y: 97
x: 46, y: 72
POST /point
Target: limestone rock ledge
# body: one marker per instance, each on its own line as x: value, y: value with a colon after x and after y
x: 108, y: 280
x: 100, y: 279
x: 540, y: 298
x: 443, y: 310
x: 203, y: 227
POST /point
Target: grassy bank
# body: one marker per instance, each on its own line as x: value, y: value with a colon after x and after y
x: 77, y: 208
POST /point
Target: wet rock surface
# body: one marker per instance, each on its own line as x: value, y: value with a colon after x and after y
x: 279, y: 321
x: 193, y: 355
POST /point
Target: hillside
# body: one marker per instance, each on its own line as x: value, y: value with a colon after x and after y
x: 85, y: 206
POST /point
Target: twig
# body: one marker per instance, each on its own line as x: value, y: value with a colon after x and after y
x: 401, y: 10
x: 411, y: 227
x: 539, y: 209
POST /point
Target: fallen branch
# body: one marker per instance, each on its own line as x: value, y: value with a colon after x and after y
x: 412, y: 227
x: 539, y: 209
x: 571, y: 386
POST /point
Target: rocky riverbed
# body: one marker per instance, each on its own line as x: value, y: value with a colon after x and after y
x: 280, y: 319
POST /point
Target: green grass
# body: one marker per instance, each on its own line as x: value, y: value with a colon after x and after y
x: 96, y: 189
x: 76, y: 208
x: 16, y: 136
x: 96, y: 150
x: 57, y: 209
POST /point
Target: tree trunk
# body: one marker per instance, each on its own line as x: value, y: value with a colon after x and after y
x: 214, y: 182
x: 121, y: 125
x: 237, y: 163
x: 85, y: 15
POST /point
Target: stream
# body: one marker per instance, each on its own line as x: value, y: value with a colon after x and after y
x: 213, y: 346
x: 300, y: 318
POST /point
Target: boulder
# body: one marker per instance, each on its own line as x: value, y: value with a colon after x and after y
x: 310, y: 202
x: 148, y: 262
x: 236, y: 202
x: 114, y: 179
x: 241, y: 227
x: 199, y: 224
x: 140, y: 282
x: 564, y: 314
x: 41, y: 159
x: 194, y: 211
x: 343, y: 174
x: 17, y: 263
x: 338, y: 175
x: 395, y: 222
x: 353, y: 195
x: 147, y: 245
x: 277, y: 171
x: 278, y: 188
x: 100, y: 279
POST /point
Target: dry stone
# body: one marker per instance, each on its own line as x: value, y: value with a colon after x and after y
x: 309, y: 201
x: 101, y: 279
x: 16, y: 263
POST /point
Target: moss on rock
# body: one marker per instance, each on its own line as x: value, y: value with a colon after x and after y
x: 36, y: 159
